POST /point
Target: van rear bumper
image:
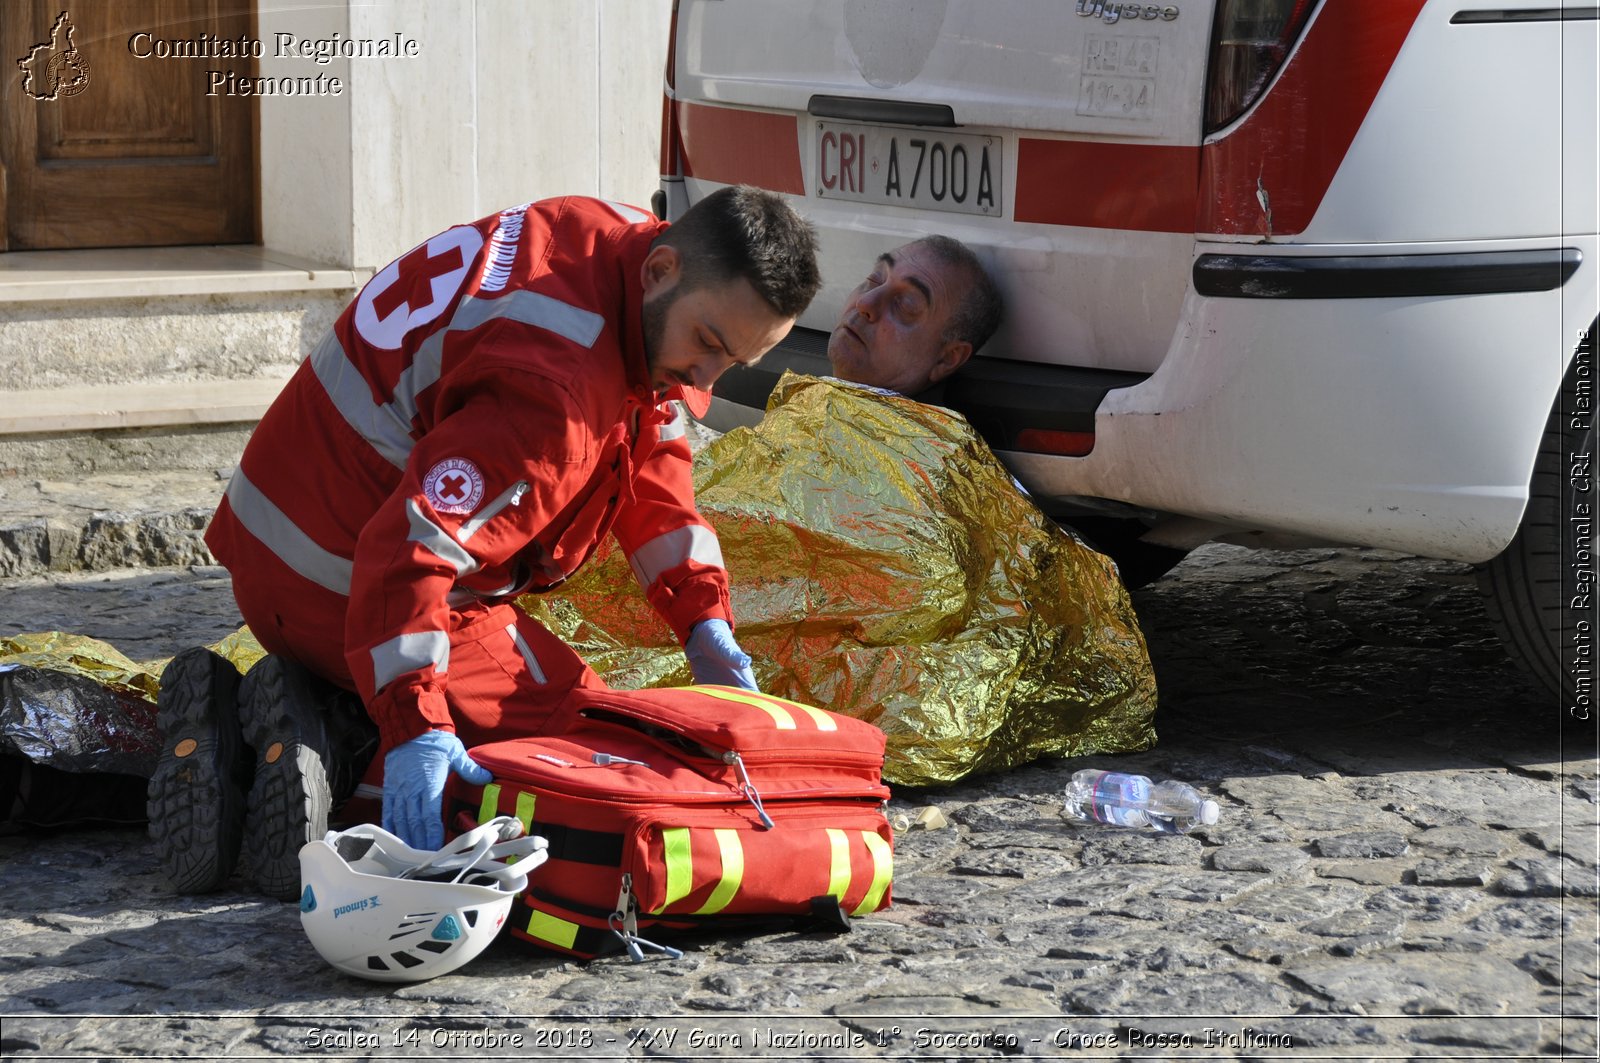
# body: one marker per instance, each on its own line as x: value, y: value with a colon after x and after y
x: 1408, y: 421
x: 1227, y: 276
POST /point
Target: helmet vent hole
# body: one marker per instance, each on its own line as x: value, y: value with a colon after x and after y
x: 471, y: 916
x: 434, y: 946
x: 405, y: 959
x: 375, y: 964
x: 352, y: 848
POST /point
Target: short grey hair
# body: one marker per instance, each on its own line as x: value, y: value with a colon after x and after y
x: 977, y: 317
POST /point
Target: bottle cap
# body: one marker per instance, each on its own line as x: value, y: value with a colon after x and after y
x: 1208, y: 812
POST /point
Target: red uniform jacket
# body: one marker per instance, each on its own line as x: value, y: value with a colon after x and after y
x: 474, y: 424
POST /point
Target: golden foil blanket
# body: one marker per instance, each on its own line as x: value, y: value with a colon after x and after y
x: 886, y: 566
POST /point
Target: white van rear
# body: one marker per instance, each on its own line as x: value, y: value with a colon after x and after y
x: 1277, y: 271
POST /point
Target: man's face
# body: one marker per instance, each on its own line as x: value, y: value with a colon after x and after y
x: 891, y: 333
x: 693, y: 337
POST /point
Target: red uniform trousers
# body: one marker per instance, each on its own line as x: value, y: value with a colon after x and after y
x: 509, y: 676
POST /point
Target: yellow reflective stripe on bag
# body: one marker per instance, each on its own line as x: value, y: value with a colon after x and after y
x: 677, y: 845
x: 823, y: 720
x: 677, y: 854
x: 489, y: 807
x: 732, y: 871
x: 780, y: 715
x: 525, y: 802
x: 839, y: 864
x: 882, y: 872
x: 777, y: 708
x: 547, y: 927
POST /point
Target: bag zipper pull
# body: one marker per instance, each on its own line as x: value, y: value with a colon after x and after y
x: 747, y: 788
x: 607, y: 759
x: 624, y: 923
x: 628, y: 907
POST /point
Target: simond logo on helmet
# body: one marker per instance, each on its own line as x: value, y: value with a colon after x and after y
x: 356, y: 906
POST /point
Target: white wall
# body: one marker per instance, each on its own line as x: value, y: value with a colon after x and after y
x: 633, y: 60
x: 305, y: 142
x: 508, y: 100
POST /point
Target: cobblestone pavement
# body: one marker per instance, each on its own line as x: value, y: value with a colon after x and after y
x: 1405, y: 868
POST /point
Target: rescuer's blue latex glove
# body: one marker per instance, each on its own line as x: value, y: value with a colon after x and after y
x: 414, y: 774
x: 715, y: 658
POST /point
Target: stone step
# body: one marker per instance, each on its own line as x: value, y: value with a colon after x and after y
x: 89, y: 407
x: 150, y: 359
x: 107, y: 521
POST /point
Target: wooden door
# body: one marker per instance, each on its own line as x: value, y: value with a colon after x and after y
x: 101, y: 147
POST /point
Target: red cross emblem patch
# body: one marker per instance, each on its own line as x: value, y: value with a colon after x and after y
x: 416, y: 288
x: 454, y: 485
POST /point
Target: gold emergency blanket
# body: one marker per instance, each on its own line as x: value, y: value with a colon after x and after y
x: 78, y: 704
x: 79, y: 655
x: 885, y: 566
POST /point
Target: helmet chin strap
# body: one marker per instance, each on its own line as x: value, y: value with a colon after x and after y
x: 497, y: 849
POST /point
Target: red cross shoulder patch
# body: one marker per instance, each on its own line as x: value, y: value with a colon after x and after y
x: 454, y: 485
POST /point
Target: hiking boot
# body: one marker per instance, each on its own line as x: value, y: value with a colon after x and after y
x: 195, y: 800
x: 297, y: 725
x: 355, y: 742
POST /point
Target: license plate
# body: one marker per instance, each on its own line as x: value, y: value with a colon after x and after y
x: 957, y: 172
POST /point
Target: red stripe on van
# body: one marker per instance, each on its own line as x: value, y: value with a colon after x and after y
x: 733, y: 146
x: 1107, y: 186
x: 1295, y: 139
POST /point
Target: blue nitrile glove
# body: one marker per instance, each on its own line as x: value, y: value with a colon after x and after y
x: 414, y: 774
x: 715, y: 658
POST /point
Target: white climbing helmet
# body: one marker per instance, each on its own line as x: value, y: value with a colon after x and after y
x: 376, y: 908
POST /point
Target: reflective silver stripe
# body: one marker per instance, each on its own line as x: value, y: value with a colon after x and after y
x: 410, y: 652
x: 509, y: 497
x: 531, y: 308
x: 501, y: 592
x: 387, y: 426
x: 675, y: 428
x: 378, y: 424
x: 284, y: 538
x: 527, y: 653
x: 691, y: 543
x: 629, y: 214
x: 534, y: 308
x: 437, y: 540
x: 460, y: 596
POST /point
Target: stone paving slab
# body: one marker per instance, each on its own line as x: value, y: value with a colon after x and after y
x: 1404, y: 868
x: 107, y: 521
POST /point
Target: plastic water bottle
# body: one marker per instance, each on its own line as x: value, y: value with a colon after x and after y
x: 1134, y: 801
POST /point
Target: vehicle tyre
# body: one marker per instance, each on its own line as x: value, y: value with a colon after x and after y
x: 1527, y: 587
x: 1139, y: 563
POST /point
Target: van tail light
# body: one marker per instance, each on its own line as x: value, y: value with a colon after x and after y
x: 1250, y: 39
x: 1054, y: 441
x: 671, y: 139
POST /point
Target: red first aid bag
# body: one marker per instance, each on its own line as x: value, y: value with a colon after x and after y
x: 689, y: 807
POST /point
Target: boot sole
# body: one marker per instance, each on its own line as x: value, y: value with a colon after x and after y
x: 195, y: 801
x: 289, y: 797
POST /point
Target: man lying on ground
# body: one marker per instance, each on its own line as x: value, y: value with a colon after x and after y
x: 883, y: 562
